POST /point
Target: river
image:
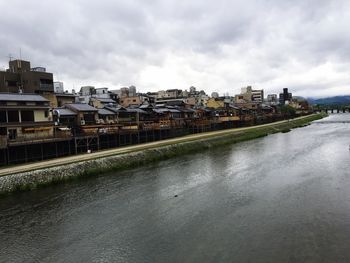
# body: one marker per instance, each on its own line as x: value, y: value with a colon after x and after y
x: 281, y: 198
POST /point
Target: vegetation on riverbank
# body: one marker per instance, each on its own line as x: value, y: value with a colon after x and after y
x: 147, y: 155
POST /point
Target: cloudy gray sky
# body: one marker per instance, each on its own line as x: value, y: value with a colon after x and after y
x: 160, y: 44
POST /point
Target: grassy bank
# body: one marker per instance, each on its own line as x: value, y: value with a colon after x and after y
x: 142, y: 154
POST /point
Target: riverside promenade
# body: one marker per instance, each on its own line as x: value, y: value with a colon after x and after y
x: 133, y: 148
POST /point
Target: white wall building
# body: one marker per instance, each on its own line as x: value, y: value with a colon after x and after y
x: 58, y: 87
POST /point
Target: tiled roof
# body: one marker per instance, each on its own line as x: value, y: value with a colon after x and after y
x: 63, y: 112
x: 81, y: 107
x: 116, y: 109
x: 162, y: 110
x: 136, y: 110
x: 21, y: 97
x: 105, y: 112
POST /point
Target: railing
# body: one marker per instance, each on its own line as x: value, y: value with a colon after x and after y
x: 229, y: 118
x: 35, y: 138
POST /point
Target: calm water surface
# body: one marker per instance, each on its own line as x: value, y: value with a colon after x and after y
x: 282, y: 198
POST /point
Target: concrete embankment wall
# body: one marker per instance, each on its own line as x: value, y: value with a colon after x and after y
x: 33, y: 179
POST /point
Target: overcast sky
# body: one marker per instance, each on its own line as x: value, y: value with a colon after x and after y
x: 161, y: 44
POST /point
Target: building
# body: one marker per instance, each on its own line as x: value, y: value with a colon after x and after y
x: 86, y: 114
x: 285, y: 97
x: 60, y: 99
x: 21, y: 78
x: 215, y: 103
x: 174, y: 93
x: 58, y: 87
x: 272, y: 99
x: 215, y: 95
x: 102, y: 102
x: 134, y: 101
x: 132, y: 91
x: 124, y: 92
x: 64, y: 117
x: 101, y: 93
x: 87, y: 91
x: 23, y: 118
x: 258, y: 95
x: 249, y: 95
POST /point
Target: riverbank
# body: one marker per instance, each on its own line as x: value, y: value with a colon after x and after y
x: 30, y: 176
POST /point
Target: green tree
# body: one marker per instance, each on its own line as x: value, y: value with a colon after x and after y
x: 287, y: 111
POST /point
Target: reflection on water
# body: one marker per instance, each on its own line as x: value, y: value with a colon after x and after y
x: 282, y: 198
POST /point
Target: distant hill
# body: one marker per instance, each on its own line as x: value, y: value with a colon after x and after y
x: 338, y: 100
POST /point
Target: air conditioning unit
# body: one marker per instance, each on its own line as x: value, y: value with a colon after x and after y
x: 82, y: 122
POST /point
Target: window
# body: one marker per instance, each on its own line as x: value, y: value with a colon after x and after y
x: 13, y: 116
x: 27, y: 116
x: 89, y: 118
x: 12, y: 134
x: 46, y: 81
x: 3, y: 131
x: 11, y: 83
x: 46, y: 113
x: 3, y: 118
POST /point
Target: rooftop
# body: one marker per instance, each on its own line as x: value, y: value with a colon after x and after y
x: 105, y: 112
x: 80, y: 107
x: 21, y: 97
x: 104, y: 100
x: 63, y: 112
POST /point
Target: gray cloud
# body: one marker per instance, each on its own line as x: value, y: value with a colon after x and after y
x: 217, y: 45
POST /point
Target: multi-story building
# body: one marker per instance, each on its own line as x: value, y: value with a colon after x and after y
x: 132, y: 91
x: 124, y: 92
x: 272, y: 99
x: 24, y: 117
x: 258, y: 95
x: 285, y: 97
x: 87, y: 90
x: 101, y: 93
x: 21, y: 78
x: 249, y: 95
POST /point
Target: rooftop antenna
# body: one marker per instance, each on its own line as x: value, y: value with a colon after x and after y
x: 20, y: 53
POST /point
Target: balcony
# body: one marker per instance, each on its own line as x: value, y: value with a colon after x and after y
x: 229, y: 118
x: 34, y: 135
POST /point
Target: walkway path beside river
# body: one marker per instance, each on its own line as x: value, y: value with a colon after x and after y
x: 127, y: 149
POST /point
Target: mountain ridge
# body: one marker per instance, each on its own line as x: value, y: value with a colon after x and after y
x: 338, y: 100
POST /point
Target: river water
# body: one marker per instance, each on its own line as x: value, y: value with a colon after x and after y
x: 281, y: 198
